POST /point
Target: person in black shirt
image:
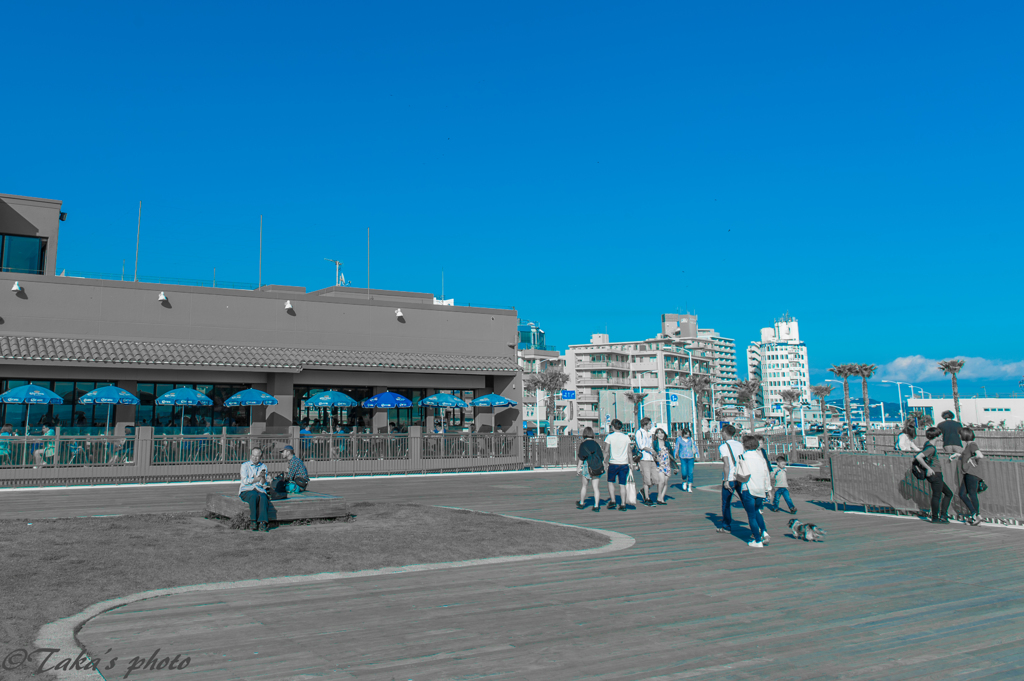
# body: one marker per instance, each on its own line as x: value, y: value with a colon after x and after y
x: 590, y: 459
x: 928, y: 458
x: 951, y: 442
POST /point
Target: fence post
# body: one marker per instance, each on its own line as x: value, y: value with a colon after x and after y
x: 144, y: 450
x: 415, y: 449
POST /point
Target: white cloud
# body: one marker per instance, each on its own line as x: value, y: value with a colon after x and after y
x: 919, y: 369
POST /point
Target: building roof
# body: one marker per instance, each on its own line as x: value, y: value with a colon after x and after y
x: 151, y: 353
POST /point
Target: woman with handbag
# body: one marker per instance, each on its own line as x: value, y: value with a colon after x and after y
x: 754, y: 490
x: 662, y: 460
x: 590, y: 463
x: 686, y: 452
x: 971, y: 466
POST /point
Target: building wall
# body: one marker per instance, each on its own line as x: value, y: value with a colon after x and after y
x: 976, y: 410
x: 66, y: 307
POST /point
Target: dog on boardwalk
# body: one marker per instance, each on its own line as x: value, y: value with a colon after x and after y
x: 806, y: 531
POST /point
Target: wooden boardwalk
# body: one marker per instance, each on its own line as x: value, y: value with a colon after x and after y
x: 882, y: 598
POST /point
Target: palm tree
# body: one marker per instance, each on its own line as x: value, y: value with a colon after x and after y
x: 551, y: 382
x: 866, y: 371
x: 637, y: 399
x: 789, y: 398
x: 700, y: 384
x: 952, y: 367
x: 821, y: 392
x: 746, y: 394
x: 844, y: 371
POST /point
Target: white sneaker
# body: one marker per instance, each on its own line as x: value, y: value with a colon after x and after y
x: 755, y: 544
x: 765, y: 538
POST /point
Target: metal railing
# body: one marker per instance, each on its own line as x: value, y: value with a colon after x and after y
x: 145, y: 457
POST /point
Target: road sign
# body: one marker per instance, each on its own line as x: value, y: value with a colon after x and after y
x: 673, y: 397
x: 552, y: 442
x: 607, y: 417
x: 568, y: 394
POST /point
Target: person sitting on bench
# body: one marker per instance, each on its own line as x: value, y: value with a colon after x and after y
x: 253, y: 490
x: 297, y: 476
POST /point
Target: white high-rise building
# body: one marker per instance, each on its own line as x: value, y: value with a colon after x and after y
x: 779, y: 362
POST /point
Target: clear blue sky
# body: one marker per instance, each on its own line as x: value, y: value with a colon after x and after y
x: 593, y: 164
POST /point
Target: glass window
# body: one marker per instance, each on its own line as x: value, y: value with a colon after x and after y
x: 22, y: 254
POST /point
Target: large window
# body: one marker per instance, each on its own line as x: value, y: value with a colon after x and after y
x: 148, y: 413
x: 22, y: 254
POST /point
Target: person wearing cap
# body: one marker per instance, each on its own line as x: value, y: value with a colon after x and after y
x: 297, y: 476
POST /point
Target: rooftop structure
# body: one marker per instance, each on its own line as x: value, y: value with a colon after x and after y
x: 71, y: 334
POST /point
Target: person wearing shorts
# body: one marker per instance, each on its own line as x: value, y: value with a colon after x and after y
x: 648, y: 464
x: 729, y: 451
x: 618, y: 465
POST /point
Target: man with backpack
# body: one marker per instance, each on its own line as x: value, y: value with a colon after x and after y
x: 730, y: 450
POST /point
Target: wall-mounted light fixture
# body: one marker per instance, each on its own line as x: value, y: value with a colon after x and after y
x: 287, y: 304
x: 398, y: 313
x: 162, y: 298
x: 17, y: 288
x: 63, y: 216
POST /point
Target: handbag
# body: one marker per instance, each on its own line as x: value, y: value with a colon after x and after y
x: 918, y: 471
x: 630, y: 488
x: 596, y: 472
x: 981, y: 486
x: 637, y: 455
x: 741, y: 469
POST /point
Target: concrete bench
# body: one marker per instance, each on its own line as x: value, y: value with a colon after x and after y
x: 305, y: 506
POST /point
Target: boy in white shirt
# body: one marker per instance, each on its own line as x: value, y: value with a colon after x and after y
x: 730, y: 450
x: 645, y: 443
x: 618, y: 464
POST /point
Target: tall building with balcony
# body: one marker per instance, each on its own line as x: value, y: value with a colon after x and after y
x: 536, y: 356
x: 711, y: 344
x: 602, y: 372
x: 779, y: 362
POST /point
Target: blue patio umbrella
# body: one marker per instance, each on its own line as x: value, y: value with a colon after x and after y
x: 443, y: 400
x: 387, y: 401
x: 183, y: 397
x: 330, y: 399
x: 108, y: 395
x: 493, y: 400
x: 250, y: 397
x: 29, y: 395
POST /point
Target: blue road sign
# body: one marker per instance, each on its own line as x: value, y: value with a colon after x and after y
x: 673, y: 397
x: 568, y: 394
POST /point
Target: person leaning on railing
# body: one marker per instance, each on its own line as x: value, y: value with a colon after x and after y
x: 253, y: 490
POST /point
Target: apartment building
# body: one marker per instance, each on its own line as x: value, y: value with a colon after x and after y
x: 708, y: 343
x: 779, y: 362
x: 602, y: 372
x: 536, y: 356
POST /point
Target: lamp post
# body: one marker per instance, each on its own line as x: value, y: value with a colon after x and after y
x: 693, y: 393
x: 899, y: 391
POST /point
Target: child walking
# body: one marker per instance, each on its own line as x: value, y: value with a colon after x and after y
x: 781, y: 483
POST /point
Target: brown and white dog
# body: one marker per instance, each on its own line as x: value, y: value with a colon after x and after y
x: 806, y: 531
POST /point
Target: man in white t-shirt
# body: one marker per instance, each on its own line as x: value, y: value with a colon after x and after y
x: 730, y: 450
x: 619, y: 464
x: 645, y: 443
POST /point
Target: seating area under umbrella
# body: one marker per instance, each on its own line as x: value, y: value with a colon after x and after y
x: 330, y: 399
x: 29, y: 395
x: 183, y: 397
x: 443, y: 401
x: 493, y: 400
x: 108, y: 395
x: 250, y: 397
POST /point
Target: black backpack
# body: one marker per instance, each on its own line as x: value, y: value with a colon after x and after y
x: 590, y: 452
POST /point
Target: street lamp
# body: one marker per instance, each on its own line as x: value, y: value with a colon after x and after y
x: 899, y: 391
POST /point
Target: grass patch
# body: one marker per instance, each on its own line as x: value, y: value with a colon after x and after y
x: 819, y: 489
x: 56, y: 568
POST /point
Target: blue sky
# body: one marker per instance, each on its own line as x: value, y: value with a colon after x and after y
x: 592, y: 164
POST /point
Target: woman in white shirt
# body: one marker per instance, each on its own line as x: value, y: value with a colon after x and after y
x: 755, y: 490
x: 905, y: 443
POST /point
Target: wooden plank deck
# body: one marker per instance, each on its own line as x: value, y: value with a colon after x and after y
x: 882, y: 598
